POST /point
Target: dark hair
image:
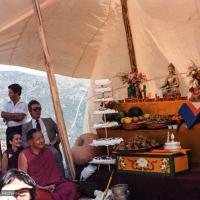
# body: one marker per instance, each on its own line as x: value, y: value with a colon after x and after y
x: 31, y: 103
x: 22, y: 176
x: 16, y: 88
x: 12, y: 134
x: 30, y: 133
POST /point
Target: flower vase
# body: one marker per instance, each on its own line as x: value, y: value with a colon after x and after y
x: 131, y: 91
x: 134, y: 91
x: 138, y: 92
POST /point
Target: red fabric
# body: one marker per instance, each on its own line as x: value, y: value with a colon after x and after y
x: 43, y: 195
x: 195, y: 110
x: 44, y: 169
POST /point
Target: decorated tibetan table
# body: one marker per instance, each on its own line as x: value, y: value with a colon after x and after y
x: 156, y: 162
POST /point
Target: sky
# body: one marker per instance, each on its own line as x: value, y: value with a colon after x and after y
x: 21, y: 69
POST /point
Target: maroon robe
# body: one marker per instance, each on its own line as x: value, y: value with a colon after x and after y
x: 44, y: 169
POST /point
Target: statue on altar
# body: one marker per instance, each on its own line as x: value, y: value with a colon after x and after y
x: 171, y: 84
x: 194, y: 85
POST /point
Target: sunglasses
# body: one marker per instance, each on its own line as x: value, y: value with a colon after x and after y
x: 37, y: 109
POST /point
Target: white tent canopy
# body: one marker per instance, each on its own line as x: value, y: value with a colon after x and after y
x: 74, y: 31
x: 165, y: 32
x: 87, y: 38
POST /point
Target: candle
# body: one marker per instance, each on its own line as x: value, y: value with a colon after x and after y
x: 172, y: 137
x: 159, y: 93
x: 168, y: 139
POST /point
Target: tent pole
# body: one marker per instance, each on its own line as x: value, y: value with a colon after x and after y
x: 54, y: 91
x: 129, y: 37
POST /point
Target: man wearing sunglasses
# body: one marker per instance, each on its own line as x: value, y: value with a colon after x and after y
x: 47, y: 126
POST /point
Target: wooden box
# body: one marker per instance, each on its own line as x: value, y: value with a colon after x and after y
x: 165, y: 164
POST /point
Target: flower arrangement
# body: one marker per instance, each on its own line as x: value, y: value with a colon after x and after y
x: 194, y: 73
x: 133, y: 78
x: 136, y: 78
x: 194, y: 84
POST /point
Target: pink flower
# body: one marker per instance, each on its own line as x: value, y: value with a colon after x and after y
x: 133, y: 81
x: 135, y: 75
x: 140, y: 74
x: 136, y: 78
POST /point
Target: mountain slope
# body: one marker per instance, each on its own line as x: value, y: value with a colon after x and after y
x: 72, y: 92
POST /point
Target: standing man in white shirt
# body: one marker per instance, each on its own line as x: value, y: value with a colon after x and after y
x: 15, y: 111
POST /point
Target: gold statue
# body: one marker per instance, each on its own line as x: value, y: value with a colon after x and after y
x: 171, y: 85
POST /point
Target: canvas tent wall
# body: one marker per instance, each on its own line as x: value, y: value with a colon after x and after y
x: 163, y: 32
x: 74, y: 32
x: 85, y: 38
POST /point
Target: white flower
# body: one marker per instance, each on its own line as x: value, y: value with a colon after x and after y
x: 142, y: 162
x: 193, y: 72
x: 163, y: 167
x: 165, y: 160
x: 10, y: 155
x: 195, y: 84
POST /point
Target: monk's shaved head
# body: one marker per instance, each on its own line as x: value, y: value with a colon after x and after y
x: 31, y: 133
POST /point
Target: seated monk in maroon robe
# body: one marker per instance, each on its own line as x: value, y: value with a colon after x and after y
x: 39, y: 162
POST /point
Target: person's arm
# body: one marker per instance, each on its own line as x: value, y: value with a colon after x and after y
x: 165, y: 83
x: 13, y: 116
x: 4, y: 164
x: 49, y: 188
x: 57, y: 138
x: 19, y: 116
x: 176, y: 81
x: 24, y: 136
x: 22, y: 162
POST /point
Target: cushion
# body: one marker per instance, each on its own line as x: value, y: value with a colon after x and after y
x: 189, y: 114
